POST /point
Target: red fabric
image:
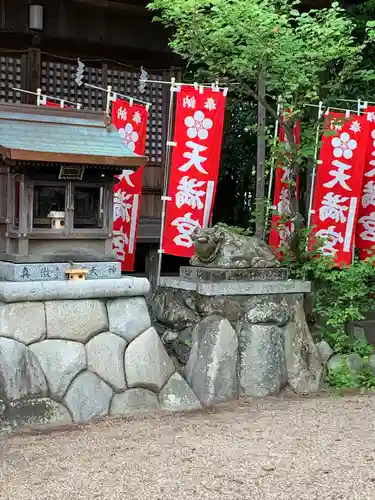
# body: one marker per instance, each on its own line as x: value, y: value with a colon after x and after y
x: 338, y: 187
x: 281, y: 228
x: 195, y: 166
x: 365, y: 231
x: 131, y: 123
x: 55, y: 104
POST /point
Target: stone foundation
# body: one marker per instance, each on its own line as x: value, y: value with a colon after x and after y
x: 238, y: 337
x: 70, y: 352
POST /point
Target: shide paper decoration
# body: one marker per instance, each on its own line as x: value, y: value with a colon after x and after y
x: 195, y: 166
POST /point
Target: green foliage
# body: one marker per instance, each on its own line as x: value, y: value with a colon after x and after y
x: 234, y: 39
x: 343, y: 377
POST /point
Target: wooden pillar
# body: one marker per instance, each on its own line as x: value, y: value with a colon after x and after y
x: 34, y: 67
x: 151, y: 266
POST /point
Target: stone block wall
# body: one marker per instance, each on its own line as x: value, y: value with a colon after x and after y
x: 72, y: 360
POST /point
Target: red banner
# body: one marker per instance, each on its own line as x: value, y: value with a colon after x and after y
x: 365, y: 233
x: 281, y: 228
x: 131, y: 122
x: 338, y: 186
x: 195, y: 166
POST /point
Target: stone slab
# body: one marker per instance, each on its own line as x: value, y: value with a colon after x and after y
x: 24, y: 272
x: 238, y: 287
x: 88, y: 397
x: 61, y: 361
x: 128, y: 318
x: 77, y: 320
x: 133, y: 402
x: 12, y: 291
x: 25, y: 322
x: 220, y: 274
x: 20, y: 372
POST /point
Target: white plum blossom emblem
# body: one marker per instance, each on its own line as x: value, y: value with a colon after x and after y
x: 198, y: 125
x: 137, y: 117
x: 129, y: 136
x: 343, y: 146
x: 371, y: 117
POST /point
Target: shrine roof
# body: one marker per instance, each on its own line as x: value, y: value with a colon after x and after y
x: 54, y: 135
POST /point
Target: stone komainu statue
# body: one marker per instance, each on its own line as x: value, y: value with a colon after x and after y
x: 220, y: 247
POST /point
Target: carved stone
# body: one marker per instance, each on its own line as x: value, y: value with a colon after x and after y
x: 246, y: 274
x: 222, y: 248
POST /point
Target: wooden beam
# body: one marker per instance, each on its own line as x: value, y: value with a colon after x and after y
x: 83, y: 159
x: 136, y: 10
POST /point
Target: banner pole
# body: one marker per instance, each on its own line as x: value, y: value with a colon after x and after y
x: 320, y: 113
x: 276, y: 134
x: 168, y: 155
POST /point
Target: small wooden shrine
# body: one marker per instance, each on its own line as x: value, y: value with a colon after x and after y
x: 56, y: 186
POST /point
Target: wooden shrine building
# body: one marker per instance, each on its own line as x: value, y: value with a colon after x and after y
x: 114, y: 39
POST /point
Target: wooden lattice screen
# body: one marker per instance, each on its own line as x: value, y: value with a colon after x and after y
x: 57, y: 79
x: 10, y: 76
x: 127, y: 83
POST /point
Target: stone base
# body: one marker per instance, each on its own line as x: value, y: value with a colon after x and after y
x: 193, y: 273
x: 238, y: 337
x: 22, y: 272
x: 74, y: 351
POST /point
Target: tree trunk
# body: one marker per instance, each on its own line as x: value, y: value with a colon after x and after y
x: 261, y: 156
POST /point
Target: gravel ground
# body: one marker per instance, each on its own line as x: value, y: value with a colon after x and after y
x: 279, y: 448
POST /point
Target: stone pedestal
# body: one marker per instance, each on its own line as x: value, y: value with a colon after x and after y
x: 240, y: 335
x: 77, y: 350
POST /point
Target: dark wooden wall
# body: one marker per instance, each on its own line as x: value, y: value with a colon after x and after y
x: 113, y: 39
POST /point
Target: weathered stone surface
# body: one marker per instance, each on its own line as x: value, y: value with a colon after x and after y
x: 262, y: 370
x: 371, y: 363
x: 25, y: 322
x: 44, y: 271
x: 265, y: 311
x: 75, y: 319
x: 220, y: 274
x: 68, y: 290
x: 128, y: 317
x: 325, y: 351
x: 211, y: 370
x: 134, y: 401
x: 147, y: 363
x: 88, y: 397
x: 218, y: 246
x: 353, y: 361
x: 174, y: 308
x: 231, y: 308
x: 20, y: 372
x: 61, y: 361
x: 236, y: 287
x: 176, y: 395
x: 105, y: 357
x: 33, y: 411
x: 302, y: 358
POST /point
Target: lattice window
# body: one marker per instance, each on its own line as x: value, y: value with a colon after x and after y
x: 127, y: 83
x: 10, y: 76
x: 57, y: 80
